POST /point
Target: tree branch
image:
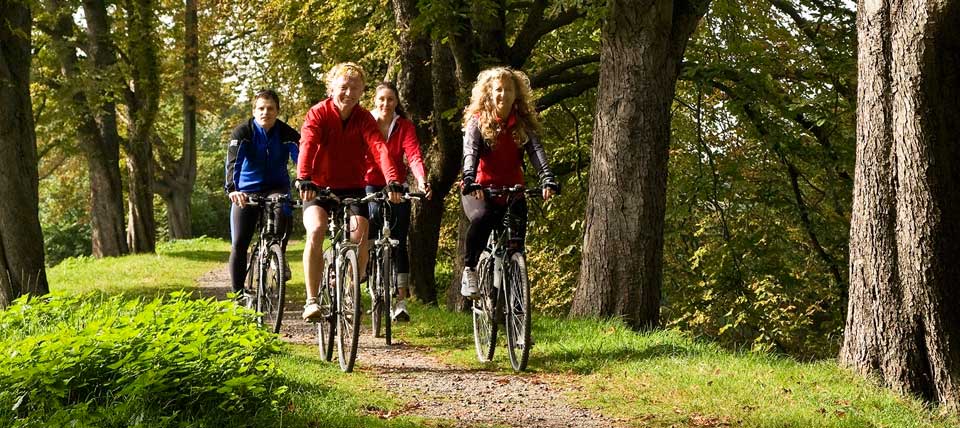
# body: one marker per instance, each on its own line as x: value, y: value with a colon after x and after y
x: 535, y: 28
x: 542, y: 79
x: 569, y: 91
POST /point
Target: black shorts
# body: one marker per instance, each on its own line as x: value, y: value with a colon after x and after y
x: 332, y: 207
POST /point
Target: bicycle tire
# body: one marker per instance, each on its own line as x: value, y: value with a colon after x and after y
x: 375, y: 282
x: 386, y: 290
x: 349, y: 313
x: 271, y: 295
x: 484, y: 323
x: 517, y: 308
x: 326, y: 326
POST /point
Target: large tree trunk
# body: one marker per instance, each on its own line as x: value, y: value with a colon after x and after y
x: 103, y: 149
x: 142, y: 104
x: 21, y: 240
x: 904, y: 240
x: 621, y: 269
x: 177, y: 178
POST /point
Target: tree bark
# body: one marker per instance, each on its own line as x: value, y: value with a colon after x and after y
x: 904, y: 239
x: 142, y: 104
x: 416, y: 84
x: 641, y: 50
x: 21, y: 239
x: 177, y: 177
x: 103, y: 147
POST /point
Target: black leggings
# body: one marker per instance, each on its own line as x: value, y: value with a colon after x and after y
x: 399, y: 226
x: 484, y: 216
x: 243, y: 223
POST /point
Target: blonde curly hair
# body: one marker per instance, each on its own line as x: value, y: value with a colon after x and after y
x: 344, y: 69
x: 483, y: 107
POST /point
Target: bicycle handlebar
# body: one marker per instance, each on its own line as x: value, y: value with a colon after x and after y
x: 512, y: 190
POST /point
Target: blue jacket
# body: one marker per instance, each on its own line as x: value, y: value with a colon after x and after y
x: 254, y: 165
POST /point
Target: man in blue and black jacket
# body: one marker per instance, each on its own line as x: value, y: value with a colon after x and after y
x: 257, y: 164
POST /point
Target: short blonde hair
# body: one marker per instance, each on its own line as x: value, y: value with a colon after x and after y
x: 484, y: 109
x: 344, y: 69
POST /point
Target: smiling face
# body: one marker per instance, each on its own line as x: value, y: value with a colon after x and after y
x: 504, y: 93
x: 385, y: 102
x: 346, y: 93
x: 265, y: 113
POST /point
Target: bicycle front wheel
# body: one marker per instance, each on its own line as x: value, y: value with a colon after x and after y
x: 389, y: 284
x: 273, y: 289
x: 484, y: 323
x: 517, y: 317
x: 327, y: 325
x: 348, y: 315
x: 376, y: 283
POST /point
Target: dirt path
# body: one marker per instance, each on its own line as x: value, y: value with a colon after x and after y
x: 437, y: 390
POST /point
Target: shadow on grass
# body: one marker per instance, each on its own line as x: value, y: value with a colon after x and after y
x: 201, y: 255
x: 588, y: 359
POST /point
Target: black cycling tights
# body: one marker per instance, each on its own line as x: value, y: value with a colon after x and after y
x: 243, y: 222
x: 484, y: 216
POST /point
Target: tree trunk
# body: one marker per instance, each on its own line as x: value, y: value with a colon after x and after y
x: 142, y: 104
x: 21, y: 239
x: 103, y: 148
x: 621, y: 269
x: 904, y: 239
x: 416, y: 85
x: 176, y: 186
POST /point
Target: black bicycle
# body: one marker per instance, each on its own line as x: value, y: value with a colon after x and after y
x: 266, y: 268
x: 339, y: 293
x: 382, y: 282
x: 504, y: 287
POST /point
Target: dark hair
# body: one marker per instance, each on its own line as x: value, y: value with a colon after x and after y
x: 391, y: 86
x: 267, y: 94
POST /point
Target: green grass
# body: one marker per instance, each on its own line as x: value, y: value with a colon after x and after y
x: 665, y: 379
x: 656, y: 379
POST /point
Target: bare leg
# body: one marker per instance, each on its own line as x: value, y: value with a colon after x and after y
x: 358, y: 234
x: 315, y: 222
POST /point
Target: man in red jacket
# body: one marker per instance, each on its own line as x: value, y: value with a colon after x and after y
x: 336, y: 136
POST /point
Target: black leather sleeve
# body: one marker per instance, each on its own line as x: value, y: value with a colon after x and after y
x: 230, y: 164
x: 538, y: 158
x: 472, y: 142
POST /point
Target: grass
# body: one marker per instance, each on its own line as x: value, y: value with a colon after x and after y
x: 666, y: 379
x: 657, y: 379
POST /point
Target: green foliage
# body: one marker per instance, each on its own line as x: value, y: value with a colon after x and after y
x: 89, y: 360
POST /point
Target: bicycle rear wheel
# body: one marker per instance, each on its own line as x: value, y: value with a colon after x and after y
x: 327, y: 325
x: 273, y: 289
x: 375, y: 284
x: 517, y: 317
x: 484, y: 323
x: 349, y: 313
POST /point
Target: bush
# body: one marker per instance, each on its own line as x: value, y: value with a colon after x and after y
x: 65, y: 240
x: 94, y: 361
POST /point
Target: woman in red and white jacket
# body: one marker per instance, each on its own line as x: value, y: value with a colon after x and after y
x: 336, y: 137
x: 402, y: 143
x: 499, y: 125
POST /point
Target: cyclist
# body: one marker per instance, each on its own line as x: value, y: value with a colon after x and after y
x: 499, y: 124
x: 337, y: 135
x: 402, y: 141
x: 257, y: 164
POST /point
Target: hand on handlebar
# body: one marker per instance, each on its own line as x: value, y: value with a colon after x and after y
x: 548, y: 193
x: 238, y: 198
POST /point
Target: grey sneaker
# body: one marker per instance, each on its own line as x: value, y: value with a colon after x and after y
x: 468, y: 284
x: 400, y: 312
x: 311, y: 310
x: 287, y: 274
x: 244, y: 298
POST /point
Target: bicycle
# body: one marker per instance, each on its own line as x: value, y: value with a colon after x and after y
x: 266, y: 269
x: 339, y: 292
x: 382, y: 282
x: 504, y: 287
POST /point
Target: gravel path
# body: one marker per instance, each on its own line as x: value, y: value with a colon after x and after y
x: 436, y: 390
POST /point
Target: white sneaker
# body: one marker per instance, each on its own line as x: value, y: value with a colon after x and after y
x: 468, y: 283
x: 311, y: 310
x: 400, y: 312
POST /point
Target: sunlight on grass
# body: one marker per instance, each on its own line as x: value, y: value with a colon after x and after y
x: 665, y: 378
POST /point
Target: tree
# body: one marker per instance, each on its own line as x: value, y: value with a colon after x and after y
x: 904, y: 241
x: 178, y: 176
x: 98, y: 138
x: 21, y: 241
x: 641, y: 52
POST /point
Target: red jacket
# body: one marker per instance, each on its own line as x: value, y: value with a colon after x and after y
x: 401, y: 141
x: 333, y: 154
